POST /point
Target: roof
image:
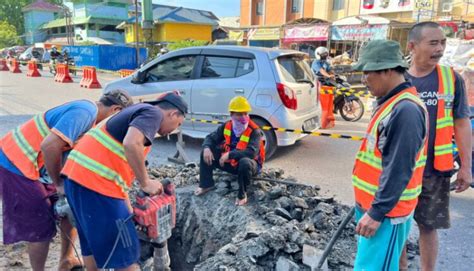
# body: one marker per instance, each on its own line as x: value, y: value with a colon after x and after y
x: 232, y: 22
x: 164, y: 14
x: 41, y: 5
x: 362, y: 19
x: 80, y: 20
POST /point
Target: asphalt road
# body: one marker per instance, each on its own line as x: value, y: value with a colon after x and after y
x: 315, y: 160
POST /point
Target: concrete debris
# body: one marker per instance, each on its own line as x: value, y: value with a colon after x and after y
x: 267, y: 234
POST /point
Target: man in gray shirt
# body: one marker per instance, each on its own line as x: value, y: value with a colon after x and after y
x: 443, y: 92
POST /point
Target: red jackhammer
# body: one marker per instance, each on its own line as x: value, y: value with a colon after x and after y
x: 155, y: 218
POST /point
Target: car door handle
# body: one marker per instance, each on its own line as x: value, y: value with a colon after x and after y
x: 240, y: 91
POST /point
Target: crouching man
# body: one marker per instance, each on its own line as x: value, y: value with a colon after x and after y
x: 236, y: 147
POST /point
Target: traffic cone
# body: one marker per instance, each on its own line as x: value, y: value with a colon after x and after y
x: 327, y: 108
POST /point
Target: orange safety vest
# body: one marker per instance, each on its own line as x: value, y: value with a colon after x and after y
x: 243, y: 142
x: 98, y: 163
x: 368, y: 164
x: 22, y: 146
x: 443, y: 145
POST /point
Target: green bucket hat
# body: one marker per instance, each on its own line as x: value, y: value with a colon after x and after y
x: 380, y: 55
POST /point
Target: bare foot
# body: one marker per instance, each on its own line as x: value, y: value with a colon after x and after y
x: 68, y: 264
x: 201, y: 191
x: 241, y: 202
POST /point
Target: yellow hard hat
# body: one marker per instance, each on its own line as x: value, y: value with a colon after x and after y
x: 239, y: 104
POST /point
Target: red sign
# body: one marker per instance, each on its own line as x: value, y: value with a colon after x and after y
x: 315, y: 32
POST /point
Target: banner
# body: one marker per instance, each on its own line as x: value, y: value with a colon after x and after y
x: 236, y: 35
x: 359, y: 32
x: 385, y: 6
x: 296, y: 33
x: 264, y: 34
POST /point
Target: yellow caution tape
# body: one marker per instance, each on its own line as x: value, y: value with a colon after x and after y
x: 296, y: 131
x: 352, y: 92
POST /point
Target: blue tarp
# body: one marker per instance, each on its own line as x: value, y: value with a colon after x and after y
x: 106, y: 57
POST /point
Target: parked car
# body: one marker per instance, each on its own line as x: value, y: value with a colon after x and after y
x: 279, y: 85
x: 32, y: 52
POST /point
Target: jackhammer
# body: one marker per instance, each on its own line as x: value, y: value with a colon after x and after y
x: 154, y: 218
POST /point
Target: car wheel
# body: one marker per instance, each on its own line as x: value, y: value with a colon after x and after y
x: 269, y: 137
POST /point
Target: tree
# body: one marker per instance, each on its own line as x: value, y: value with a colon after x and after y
x: 10, y: 10
x: 8, y: 35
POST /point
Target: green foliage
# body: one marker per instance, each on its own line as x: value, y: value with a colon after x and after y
x: 186, y: 43
x: 10, y: 11
x: 8, y: 35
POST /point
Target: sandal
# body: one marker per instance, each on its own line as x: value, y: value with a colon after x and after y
x: 241, y: 202
x: 201, y: 191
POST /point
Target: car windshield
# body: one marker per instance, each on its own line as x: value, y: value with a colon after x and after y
x: 294, y: 68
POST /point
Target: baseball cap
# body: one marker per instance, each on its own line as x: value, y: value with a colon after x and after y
x: 118, y: 97
x: 173, y: 98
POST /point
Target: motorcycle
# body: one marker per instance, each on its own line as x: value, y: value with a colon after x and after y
x: 350, y: 107
x: 61, y: 59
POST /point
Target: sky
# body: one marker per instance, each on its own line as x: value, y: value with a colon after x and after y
x: 221, y: 8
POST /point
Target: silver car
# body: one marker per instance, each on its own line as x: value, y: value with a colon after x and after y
x: 279, y: 85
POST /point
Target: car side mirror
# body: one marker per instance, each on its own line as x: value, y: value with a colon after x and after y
x: 139, y: 78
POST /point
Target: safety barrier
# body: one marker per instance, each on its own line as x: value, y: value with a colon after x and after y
x: 125, y: 73
x: 15, y: 66
x: 33, y: 69
x: 3, y: 65
x: 296, y: 131
x: 89, y: 78
x: 327, y: 108
x: 62, y: 74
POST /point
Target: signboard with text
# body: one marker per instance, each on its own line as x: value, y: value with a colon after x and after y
x: 296, y: 33
x: 264, y: 34
x: 423, y: 10
x: 359, y: 32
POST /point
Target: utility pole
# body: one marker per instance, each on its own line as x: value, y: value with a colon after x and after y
x: 137, y: 45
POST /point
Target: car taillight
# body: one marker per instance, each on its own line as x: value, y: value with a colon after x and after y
x: 287, y: 96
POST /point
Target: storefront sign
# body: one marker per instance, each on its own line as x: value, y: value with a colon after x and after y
x: 264, y: 34
x: 359, y: 32
x: 385, y: 6
x: 296, y: 33
x: 423, y: 10
x: 236, y: 35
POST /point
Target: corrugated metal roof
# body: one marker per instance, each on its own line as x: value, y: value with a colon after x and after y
x: 164, y: 13
x: 80, y: 20
x: 42, y: 5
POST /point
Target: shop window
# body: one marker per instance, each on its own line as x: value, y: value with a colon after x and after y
x: 260, y: 8
x: 338, y: 4
x: 295, y: 6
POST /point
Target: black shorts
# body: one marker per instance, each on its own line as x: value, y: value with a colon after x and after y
x: 432, y: 211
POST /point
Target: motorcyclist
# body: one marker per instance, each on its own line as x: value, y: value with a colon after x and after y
x: 321, y: 66
x: 54, y: 53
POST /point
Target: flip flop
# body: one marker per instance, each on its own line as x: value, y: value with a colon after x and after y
x: 241, y: 202
x: 202, y: 191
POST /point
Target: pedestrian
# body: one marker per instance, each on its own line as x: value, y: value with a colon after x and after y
x: 30, y: 163
x: 236, y: 147
x: 443, y: 92
x: 389, y: 165
x: 99, y: 173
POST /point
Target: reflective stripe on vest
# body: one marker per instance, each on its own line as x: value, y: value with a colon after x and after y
x: 368, y: 165
x: 98, y: 163
x: 443, y: 147
x: 243, y: 142
x: 22, y: 146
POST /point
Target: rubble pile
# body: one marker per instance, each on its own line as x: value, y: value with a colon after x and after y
x: 267, y: 234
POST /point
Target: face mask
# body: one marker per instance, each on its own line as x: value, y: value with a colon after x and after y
x: 240, y: 124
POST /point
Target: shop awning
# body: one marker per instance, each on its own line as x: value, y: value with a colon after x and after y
x: 361, y: 20
x: 264, y: 34
x: 80, y: 20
